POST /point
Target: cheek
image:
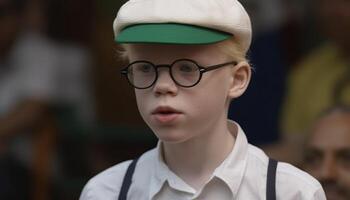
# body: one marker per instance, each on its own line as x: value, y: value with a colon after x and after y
x: 314, y: 171
x: 212, y: 99
x: 218, y: 88
x: 344, y: 175
x: 142, y: 103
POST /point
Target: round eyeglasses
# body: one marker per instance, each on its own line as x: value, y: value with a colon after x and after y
x: 184, y: 72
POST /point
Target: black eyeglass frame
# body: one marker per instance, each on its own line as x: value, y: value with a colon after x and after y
x: 201, y: 70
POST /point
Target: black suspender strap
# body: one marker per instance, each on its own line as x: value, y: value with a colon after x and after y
x: 271, y: 180
x: 127, y: 180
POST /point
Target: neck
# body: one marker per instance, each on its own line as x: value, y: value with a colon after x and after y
x: 195, y: 160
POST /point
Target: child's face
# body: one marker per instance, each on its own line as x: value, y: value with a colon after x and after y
x: 177, y: 114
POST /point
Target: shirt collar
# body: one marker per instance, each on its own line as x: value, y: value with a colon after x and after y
x: 159, y: 171
x: 162, y: 174
x: 231, y: 170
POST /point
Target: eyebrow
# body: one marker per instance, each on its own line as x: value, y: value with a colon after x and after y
x: 318, y: 151
x: 312, y: 151
x: 344, y: 152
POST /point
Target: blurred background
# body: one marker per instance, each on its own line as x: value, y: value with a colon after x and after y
x: 66, y: 113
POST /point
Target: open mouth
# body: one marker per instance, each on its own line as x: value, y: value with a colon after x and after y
x: 165, y: 111
x: 165, y: 114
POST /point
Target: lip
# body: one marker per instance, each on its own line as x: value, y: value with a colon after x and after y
x: 165, y: 109
x: 165, y: 114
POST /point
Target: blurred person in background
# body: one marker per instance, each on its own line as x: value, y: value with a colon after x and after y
x: 14, y: 116
x: 322, y: 77
x: 327, y: 154
x: 320, y: 80
x: 35, y: 74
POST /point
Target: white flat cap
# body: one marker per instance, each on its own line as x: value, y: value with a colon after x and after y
x: 182, y: 22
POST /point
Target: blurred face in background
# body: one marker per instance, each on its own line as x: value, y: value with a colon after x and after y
x: 10, y: 23
x: 327, y: 155
x: 334, y: 19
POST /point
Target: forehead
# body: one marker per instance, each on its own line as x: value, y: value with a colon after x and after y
x: 160, y: 53
x: 331, y: 133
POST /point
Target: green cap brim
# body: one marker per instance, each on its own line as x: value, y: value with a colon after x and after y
x: 170, y: 33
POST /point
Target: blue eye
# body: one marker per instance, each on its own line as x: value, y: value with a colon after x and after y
x: 143, y: 67
x: 187, y: 68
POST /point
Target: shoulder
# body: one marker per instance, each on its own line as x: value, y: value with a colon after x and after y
x: 296, y: 183
x: 106, y: 185
x: 291, y: 182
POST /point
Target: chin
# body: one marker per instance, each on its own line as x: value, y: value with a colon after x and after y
x: 171, y: 140
x: 171, y: 136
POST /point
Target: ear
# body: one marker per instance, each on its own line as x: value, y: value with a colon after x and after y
x: 241, y: 75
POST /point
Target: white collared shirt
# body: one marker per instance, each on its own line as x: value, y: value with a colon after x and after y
x: 241, y: 176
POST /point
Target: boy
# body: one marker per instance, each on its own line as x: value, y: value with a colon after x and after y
x: 187, y: 62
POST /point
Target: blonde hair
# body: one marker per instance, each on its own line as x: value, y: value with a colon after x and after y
x: 122, y: 52
x: 233, y: 49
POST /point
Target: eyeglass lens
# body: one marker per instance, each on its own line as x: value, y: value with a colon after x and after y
x: 143, y: 74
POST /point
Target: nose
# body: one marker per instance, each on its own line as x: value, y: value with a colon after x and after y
x: 329, y: 169
x: 165, y: 84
